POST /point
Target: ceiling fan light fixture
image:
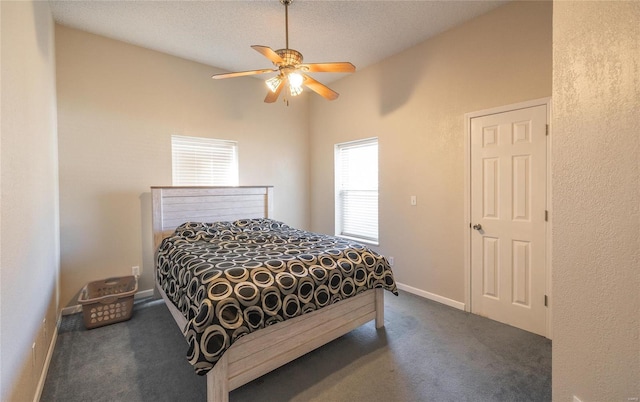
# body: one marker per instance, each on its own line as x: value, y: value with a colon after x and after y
x: 274, y: 83
x: 295, y: 91
x: 295, y: 79
x: 295, y: 83
x: 290, y: 70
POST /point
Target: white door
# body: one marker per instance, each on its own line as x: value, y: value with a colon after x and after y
x: 508, y: 199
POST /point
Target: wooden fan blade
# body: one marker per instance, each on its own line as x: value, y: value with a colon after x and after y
x: 339, y: 67
x: 273, y: 96
x: 319, y: 88
x: 269, y: 53
x: 241, y: 73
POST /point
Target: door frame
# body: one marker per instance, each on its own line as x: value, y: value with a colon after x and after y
x: 467, y: 201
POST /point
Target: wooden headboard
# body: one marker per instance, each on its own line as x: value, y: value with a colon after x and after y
x: 173, y: 206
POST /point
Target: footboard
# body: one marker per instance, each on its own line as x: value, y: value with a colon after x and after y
x: 267, y: 349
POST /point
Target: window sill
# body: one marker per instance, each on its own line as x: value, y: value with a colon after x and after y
x: 359, y: 240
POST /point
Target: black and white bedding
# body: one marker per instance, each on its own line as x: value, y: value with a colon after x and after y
x: 232, y: 278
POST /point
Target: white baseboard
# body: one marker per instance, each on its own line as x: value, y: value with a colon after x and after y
x: 71, y: 310
x: 78, y: 307
x: 431, y: 296
x: 143, y: 293
x: 47, y: 362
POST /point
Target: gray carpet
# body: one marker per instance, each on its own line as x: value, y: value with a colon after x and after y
x: 426, y: 352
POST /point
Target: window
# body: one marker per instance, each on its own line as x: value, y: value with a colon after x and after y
x: 204, y: 161
x: 356, y: 178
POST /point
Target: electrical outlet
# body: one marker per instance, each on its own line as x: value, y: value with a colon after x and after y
x: 44, y: 329
x: 391, y: 260
x: 414, y: 200
x: 135, y: 271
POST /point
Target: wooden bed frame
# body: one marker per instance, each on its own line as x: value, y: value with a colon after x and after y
x: 260, y: 352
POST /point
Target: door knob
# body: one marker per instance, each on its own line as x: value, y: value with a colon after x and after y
x: 477, y: 226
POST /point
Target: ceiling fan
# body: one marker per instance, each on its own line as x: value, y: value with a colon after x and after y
x: 291, y: 71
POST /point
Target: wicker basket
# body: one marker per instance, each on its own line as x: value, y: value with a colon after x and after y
x: 108, y: 301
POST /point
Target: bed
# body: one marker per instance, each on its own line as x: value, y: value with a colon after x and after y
x: 193, y: 215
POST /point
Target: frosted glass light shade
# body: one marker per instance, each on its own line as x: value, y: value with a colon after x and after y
x: 273, y: 83
x: 295, y: 83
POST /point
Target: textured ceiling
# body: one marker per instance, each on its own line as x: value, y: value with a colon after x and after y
x: 219, y: 33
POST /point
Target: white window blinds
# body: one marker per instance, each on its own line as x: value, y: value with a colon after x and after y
x: 204, y: 161
x: 356, y: 177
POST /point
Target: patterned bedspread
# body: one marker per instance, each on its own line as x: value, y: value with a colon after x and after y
x: 233, y: 278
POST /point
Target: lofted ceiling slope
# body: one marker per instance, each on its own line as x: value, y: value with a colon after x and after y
x: 220, y: 33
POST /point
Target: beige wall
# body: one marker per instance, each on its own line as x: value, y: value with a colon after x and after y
x: 415, y: 103
x: 118, y: 106
x: 29, y: 263
x: 596, y: 201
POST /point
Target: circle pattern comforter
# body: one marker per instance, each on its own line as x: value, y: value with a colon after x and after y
x: 233, y: 278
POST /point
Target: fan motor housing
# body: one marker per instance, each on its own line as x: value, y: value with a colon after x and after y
x: 291, y: 57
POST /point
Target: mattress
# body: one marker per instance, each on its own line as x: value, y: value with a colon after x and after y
x: 230, y: 279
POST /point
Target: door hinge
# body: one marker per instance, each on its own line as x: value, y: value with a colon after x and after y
x: 546, y: 301
x: 546, y: 129
x: 546, y: 215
